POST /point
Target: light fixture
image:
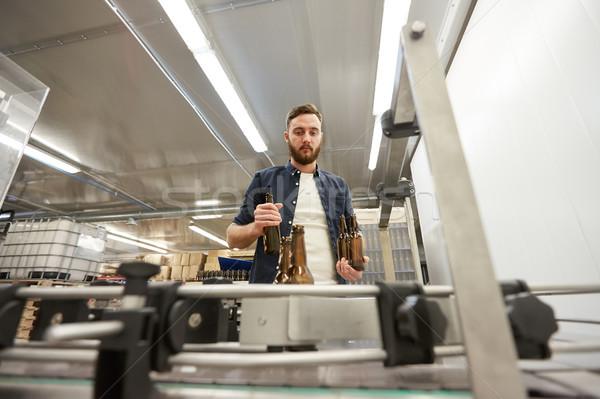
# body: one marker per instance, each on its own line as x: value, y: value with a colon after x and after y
x: 39, y: 155
x: 203, y: 217
x: 208, y: 235
x: 190, y: 31
x: 395, y: 15
x: 50, y: 160
x: 376, y: 143
x: 7, y: 216
x: 207, y: 202
x: 127, y: 239
x: 131, y: 222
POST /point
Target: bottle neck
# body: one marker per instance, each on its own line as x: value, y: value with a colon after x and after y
x: 284, y: 263
x: 354, y: 223
x: 343, y: 228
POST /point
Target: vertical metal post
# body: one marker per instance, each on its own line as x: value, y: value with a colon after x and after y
x: 386, y: 252
x: 487, y: 337
x: 412, y: 236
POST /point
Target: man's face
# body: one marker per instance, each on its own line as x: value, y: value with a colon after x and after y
x: 304, y: 138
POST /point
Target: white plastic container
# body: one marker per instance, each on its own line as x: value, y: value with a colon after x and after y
x: 56, y: 249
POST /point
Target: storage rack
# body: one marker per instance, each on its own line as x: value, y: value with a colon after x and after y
x: 401, y: 254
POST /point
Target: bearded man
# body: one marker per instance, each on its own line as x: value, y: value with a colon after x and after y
x: 303, y: 194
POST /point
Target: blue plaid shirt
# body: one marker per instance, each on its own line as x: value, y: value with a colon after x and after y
x: 284, y: 182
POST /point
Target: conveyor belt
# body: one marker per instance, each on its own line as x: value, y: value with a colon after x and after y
x: 367, y: 380
x: 34, y: 371
x: 34, y: 388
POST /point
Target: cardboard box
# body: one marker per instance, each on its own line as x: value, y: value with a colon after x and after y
x: 247, y: 254
x: 156, y: 259
x: 219, y: 252
x: 185, y: 271
x: 212, y: 266
x: 176, y: 260
x: 185, y: 259
x: 197, y: 258
x: 193, y: 273
x: 212, y: 260
x: 108, y: 270
x: 176, y: 272
x: 165, y: 273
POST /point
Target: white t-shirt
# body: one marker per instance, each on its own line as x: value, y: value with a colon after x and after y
x: 310, y: 214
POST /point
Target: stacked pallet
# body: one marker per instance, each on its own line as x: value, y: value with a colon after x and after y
x: 32, y: 306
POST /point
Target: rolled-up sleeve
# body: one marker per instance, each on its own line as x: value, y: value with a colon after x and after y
x: 349, y: 209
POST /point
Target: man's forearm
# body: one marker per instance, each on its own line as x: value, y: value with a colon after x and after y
x: 242, y: 236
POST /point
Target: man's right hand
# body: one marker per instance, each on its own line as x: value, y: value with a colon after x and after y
x: 266, y: 215
x: 242, y: 236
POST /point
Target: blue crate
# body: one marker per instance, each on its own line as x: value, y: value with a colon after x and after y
x: 234, y: 264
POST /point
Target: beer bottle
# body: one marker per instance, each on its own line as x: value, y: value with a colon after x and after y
x: 342, y: 241
x: 299, y: 273
x: 271, y: 235
x: 283, y: 274
x: 356, y: 245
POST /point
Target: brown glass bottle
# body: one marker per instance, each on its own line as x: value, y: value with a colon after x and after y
x: 342, y: 241
x: 271, y: 235
x: 299, y: 273
x: 283, y: 273
x: 356, y: 245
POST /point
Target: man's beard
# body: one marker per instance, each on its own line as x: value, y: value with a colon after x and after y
x: 304, y: 159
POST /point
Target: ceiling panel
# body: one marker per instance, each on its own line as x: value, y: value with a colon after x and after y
x: 25, y: 22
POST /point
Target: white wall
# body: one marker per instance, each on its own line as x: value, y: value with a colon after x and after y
x: 525, y: 88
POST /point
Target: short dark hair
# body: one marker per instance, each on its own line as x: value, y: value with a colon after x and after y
x: 302, y: 109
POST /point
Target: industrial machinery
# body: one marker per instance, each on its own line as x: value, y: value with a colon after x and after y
x: 392, y: 336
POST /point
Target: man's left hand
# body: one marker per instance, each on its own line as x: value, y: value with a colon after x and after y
x: 347, y: 272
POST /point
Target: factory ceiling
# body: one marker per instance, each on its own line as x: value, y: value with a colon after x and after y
x: 155, y: 145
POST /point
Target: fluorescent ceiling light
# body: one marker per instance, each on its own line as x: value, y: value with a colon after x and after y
x: 208, y: 235
x: 57, y: 149
x: 207, y: 202
x: 50, y: 160
x: 376, y: 143
x: 38, y: 155
x: 395, y: 15
x: 121, y: 234
x: 202, y: 217
x: 186, y: 24
x: 136, y: 242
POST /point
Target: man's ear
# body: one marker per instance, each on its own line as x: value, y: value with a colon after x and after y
x: 286, y: 136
